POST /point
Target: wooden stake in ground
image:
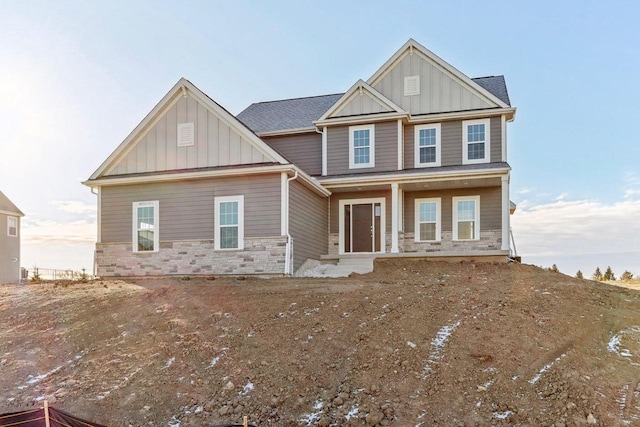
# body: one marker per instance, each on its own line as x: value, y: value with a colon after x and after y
x: 46, y: 413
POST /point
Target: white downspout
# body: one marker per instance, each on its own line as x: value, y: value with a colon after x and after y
x: 288, y: 265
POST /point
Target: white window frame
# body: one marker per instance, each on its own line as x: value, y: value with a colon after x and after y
x: 465, y: 142
x: 190, y: 129
x: 416, y: 145
x: 372, y: 147
x: 11, y: 219
x: 216, y: 238
x: 416, y: 229
x: 454, y: 208
x: 156, y: 225
x: 412, y: 81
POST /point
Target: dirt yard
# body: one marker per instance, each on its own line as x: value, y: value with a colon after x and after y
x: 414, y: 344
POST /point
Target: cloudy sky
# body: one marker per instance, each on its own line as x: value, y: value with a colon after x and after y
x: 77, y: 77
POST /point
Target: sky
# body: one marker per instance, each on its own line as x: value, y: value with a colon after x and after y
x: 77, y: 77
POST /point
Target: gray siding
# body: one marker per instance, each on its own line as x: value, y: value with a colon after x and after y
x: 9, y: 249
x: 490, y: 206
x: 439, y: 91
x: 451, y: 140
x: 216, y: 143
x: 304, y: 150
x: 186, y: 207
x: 386, y: 149
x: 308, y: 223
x: 335, y: 206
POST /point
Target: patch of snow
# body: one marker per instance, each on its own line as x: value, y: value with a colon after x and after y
x: 352, y: 412
x: 545, y: 368
x: 502, y: 415
x: 216, y: 359
x: 198, y: 410
x: 32, y: 380
x: 436, y: 350
x: 11, y: 399
x: 174, y: 422
x: 169, y: 362
x: 247, y: 388
x: 412, y: 345
x: 250, y: 334
x: 312, y: 418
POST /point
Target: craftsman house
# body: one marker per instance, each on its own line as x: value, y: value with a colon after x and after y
x: 9, y: 241
x: 410, y: 162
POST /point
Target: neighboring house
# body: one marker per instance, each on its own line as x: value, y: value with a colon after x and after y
x: 9, y: 241
x: 411, y: 162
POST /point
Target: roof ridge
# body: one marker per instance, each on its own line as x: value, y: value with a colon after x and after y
x: 487, y: 77
x: 301, y: 97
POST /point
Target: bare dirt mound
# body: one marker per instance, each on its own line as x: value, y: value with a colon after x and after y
x: 415, y: 343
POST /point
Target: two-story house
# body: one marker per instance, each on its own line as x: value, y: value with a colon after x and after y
x: 411, y: 162
x: 9, y: 240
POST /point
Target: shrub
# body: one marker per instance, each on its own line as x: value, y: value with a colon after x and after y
x: 626, y: 275
x: 579, y: 275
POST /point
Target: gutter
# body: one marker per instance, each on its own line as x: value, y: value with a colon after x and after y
x: 289, y: 246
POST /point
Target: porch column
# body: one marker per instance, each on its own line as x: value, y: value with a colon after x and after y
x: 395, y: 218
x: 506, y: 223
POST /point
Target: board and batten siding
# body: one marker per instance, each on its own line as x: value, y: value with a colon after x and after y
x: 303, y: 150
x: 361, y: 104
x: 334, y: 202
x: 186, y: 208
x: 490, y: 206
x: 216, y: 143
x: 9, y: 249
x: 451, y: 141
x: 440, y: 91
x: 386, y: 149
x: 308, y: 223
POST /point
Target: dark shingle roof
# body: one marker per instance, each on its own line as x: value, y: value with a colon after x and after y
x: 496, y: 86
x: 286, y: 114
x: 297, y: 113
x: 7, y: 206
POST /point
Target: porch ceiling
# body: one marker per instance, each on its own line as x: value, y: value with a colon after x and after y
x: 466, y: 182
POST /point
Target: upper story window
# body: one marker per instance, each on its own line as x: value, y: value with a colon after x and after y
x: 427, y: 145
x: 466, y: 218
x: 229, y: 222
x: 12, y: 226
x: 476, y: 141
x: 427, y: 220
x: 145, y: 226
x: 361, y: 146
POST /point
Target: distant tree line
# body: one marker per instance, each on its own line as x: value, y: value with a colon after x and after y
x: 597, y: 275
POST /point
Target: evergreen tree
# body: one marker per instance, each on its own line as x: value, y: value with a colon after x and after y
x: 597, y: 275
x: 626, y: 275
x: 579, y: 275
x: 608, y: 274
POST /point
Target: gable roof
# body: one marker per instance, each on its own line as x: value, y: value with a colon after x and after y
x: 7, y: 206
x: 182, y: 87
x: 496, y: 86
x: 286, y: 114
x: 361, y: 87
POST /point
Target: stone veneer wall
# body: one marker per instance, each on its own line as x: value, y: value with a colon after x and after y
x: 489, y: 240
x: 265, y: 255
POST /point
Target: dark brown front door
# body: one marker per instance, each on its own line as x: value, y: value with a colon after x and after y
x: 362, y: 225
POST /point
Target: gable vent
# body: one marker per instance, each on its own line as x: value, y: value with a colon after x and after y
x: 185, y: 134
x: 412, y: 85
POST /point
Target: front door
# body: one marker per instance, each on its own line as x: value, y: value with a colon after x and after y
x: 361, y: 227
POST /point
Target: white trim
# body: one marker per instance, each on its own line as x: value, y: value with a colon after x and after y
x: 407, y: 85
x: 416, y: 146
x: 486, y: 142
x: 156, y: 225
x: 503, y: 137
x: 286, y: 132
x: 185, y: 139
x: 454, y: 209
x: 395, y: 218
x: 372, y: 147
x: 324, y: 150
x: 439, y: 117
x: 99, y: 216
x: 417, y: 222
x: 11, y: 213
x: 383, y: 226
x: 400, y: 145
x: 17, y: 222
x: 216, y: 237
x: 284, y: 202
x: 506, y: 213
x: 366, y: 118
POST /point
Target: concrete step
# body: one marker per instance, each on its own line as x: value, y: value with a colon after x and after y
x: 345, y: 267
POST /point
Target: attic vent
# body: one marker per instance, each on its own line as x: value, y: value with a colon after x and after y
x: 412, y: 85
x: 185, y: 134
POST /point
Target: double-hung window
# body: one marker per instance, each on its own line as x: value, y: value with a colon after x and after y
x: 145, y: 226
x: 427, y: 220
x: 427, y: 145
x: 361, y: 146
x: 476, y: 146
x: 466, y: 218
x: 229, y: 222
x: 12, y: 226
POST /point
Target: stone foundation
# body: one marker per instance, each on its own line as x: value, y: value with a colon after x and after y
x: 265, y: 255
x: 489, y: 240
